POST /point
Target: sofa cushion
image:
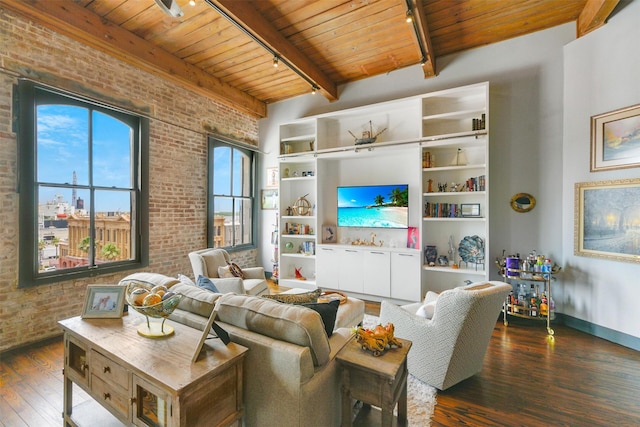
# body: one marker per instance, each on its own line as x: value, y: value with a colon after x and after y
x: 303, y: 298
x: 195, y: 300
x: 206, y: 283
x: 151, y: 278
x: 290, y: 323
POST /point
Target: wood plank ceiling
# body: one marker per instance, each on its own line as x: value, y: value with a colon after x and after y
x: 329, y: 42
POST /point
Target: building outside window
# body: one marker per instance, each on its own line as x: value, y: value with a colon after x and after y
x: 231, y: 196
x: 83, y: 186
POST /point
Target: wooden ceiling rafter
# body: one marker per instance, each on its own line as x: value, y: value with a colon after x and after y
x: 224, y: 49
x: 248, y: 17
x: 88, y: 28
x: 429, y: 64
x: 594, y: 15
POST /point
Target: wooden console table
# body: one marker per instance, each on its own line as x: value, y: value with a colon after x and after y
x: 379, y: 381
x: 140, y: 381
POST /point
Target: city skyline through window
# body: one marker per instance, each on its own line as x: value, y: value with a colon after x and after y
x: 85, y: 185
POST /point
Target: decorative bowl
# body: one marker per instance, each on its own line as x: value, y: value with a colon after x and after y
x: 135, y: 294
x: 471, y: 249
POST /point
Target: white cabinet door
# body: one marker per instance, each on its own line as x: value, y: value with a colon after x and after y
x: 327, y: 267
x: 377, y: 273
x: 405, y: 276
x: 351, y: 266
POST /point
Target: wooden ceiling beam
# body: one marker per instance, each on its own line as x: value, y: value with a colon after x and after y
x: 594, y: 15
x: 429, y: 66
x: 77, y: 22
x: 246, y: 16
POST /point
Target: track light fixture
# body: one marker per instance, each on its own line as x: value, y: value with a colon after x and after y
x: 276, y: 58
x: 411, y: 20
x: 409, y: 16
x: 170, y: 7
x: 314, y: 89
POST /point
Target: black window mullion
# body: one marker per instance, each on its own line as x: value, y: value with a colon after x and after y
x: 92, y: 201
x: 233, y: 197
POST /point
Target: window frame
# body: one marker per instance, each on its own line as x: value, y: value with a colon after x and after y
x: 26, y: 103
x: 219, y: 141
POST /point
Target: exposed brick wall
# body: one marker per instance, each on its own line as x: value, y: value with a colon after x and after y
x: 178, y: 162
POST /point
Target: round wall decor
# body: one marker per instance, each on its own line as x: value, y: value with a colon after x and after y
x: 523, y: 202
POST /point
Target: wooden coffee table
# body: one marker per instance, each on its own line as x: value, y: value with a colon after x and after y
x: 380, y: 381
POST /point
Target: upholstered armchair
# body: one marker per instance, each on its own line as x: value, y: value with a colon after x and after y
x: 208, y: 262
x: 450, y: 346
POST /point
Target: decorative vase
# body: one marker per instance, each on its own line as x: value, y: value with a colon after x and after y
x: 430, y: 254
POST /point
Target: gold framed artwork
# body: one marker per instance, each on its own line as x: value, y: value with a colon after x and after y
x: 103, y: 301
x: 607, y: 220
x: 615, y: 139
x: 273, y: 176
x: 523, y: 202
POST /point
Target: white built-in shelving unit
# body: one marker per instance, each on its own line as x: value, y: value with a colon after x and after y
x: 445, y: 125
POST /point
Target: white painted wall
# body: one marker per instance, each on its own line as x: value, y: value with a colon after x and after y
x: 602, y: 73
x: 526, y: 85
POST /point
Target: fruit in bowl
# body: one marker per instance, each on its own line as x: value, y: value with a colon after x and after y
x: 152, y: 301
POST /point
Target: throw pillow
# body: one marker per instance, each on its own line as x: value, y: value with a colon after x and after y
x: 305, y: 298
x: 225, y: 272
x: 185, y: 279
x: 328, y: 311
x: 427, y: 310
x: 236, y: 270
x: 206, y: 283
x: 430, y: 296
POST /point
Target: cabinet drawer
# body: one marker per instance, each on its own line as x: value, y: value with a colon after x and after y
x: 112, y: 397
x: 109, y: 371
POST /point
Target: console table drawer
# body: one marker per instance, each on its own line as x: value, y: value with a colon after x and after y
x: 108, y: 395
x: 109, y: 371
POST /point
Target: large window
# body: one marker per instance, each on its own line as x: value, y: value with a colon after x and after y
x: 231, y: 223
x: 83, y: 180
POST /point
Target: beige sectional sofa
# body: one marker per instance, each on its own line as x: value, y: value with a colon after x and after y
x: 291, y: 377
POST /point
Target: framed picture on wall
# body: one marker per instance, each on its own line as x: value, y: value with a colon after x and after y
x: 269, y: 199
x: 615, y: 139
x: 607, y: 219
x: 273, y: 177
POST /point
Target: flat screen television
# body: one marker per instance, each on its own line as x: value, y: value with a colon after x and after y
x: 373, y: 206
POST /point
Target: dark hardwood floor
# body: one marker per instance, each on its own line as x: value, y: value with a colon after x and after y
x: 528, y: 379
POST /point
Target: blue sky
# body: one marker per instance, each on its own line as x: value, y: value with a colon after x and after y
x: 63, y: 147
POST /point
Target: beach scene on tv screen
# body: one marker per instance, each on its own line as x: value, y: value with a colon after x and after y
x: 375, y: 206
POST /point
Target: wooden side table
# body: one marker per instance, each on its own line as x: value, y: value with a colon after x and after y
x: 379, y: 381
x: 142, y: 381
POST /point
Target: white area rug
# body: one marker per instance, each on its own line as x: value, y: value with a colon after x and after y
x: 421, y: 397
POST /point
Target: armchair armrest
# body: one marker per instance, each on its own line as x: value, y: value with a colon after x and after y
x: 403, y: 318
x: 254, y: 273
